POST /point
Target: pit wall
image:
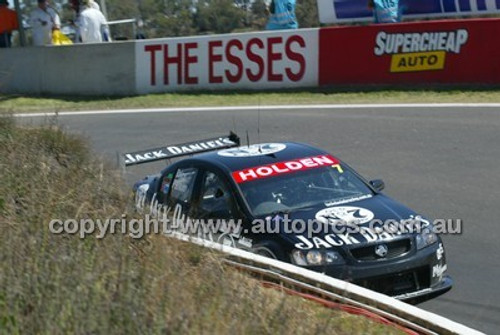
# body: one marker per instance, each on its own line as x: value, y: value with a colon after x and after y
x: 451, y: 52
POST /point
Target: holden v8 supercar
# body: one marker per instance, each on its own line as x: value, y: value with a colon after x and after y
x: 298, y: 204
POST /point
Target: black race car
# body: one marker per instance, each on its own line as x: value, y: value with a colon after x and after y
x: 298, y: 204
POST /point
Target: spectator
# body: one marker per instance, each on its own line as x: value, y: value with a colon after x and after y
x: 75, y: 5
x: 105, y: 31
x: 94, y: 5
x: 8, y: 23
x: 92, y: 23
x: 385, y: 11
x: 43, y: 20
x: 282, y: 15
x: 140, y: 33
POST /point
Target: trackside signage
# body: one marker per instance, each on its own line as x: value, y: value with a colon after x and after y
x: 237, y: 61
x: 419, y: 51
x: 440, y: 52
x: 342, y: 11
x: 265, y: 171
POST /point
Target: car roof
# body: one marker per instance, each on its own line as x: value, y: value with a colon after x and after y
x: 291, y: 151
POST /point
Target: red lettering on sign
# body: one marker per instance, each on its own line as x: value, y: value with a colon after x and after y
x: 255, y: 58
x: 172, y: 60
x: 270, y: 170
x: 213, y: 58
x: 188, y: 59
x: 152, y: 49
x: 233, y: 78
x: 271, y: 57
x: 295, y: 56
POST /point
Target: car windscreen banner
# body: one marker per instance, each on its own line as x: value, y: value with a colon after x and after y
x: 435, y: 52
x: 347, y: 11
x: 179, y: 150
x: 279, y: 168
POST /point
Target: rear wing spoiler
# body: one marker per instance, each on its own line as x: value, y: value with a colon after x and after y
x: 179, y: 150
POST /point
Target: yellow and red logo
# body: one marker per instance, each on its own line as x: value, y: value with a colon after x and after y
x: 412, y: 52
x: 418, y: 61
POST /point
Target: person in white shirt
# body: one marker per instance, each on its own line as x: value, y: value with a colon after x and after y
x: 95, y: 5
x: 43, y: 20
x: 92, y: 24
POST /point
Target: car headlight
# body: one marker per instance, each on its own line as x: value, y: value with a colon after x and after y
x: 426, y: 238
x: 316, y: 257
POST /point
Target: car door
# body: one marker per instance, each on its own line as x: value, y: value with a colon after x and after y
x: 215, y: 199
x: 178, y: 189
x: 216, y: 209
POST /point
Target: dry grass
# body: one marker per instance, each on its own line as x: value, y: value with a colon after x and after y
x: 59, y: 284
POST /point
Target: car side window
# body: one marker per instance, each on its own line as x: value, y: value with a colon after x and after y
x: 183, y: 185
x: 164, y: 186
x: 215, y: 198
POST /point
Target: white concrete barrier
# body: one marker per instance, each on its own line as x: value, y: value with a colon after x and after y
x: 83, y: 69
x: 257, y: 60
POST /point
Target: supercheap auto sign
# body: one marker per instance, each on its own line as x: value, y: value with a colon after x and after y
x: 454, y: 52
x: 348, y: 11
x: 236, y: 61
x: 425, y: 51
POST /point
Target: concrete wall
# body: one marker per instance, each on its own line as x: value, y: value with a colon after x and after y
x: 467, y: 54
x: 98, y: 69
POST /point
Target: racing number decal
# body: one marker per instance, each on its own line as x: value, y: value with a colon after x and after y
x: 338, y: 167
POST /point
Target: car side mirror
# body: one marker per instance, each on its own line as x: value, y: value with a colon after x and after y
x: 377, y: 184
x: 219, y: 193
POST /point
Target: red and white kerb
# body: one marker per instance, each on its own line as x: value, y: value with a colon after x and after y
x: 270, y: 170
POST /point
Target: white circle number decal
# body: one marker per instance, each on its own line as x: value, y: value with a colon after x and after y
x: 344, y: 215
x: 253, y: 150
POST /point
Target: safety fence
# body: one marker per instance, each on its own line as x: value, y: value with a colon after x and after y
x: 333, y: 292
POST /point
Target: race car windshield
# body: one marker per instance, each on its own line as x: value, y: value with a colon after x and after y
x: 303, y: 189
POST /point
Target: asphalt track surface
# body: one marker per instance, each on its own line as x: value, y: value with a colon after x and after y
x: 444, y: 162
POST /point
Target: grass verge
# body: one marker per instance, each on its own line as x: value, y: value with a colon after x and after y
x: 58, y: 284
x: 19, y: 104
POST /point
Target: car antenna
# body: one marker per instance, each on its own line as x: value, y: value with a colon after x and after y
x: 248, y: 140
x: 258, y: 127
x: 234, y: 124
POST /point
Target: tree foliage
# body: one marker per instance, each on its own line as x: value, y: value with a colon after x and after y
x: 218, y: 16
x: 307, y: 13
x: 170, y: 18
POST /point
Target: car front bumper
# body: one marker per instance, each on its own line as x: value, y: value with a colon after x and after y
x: 414, y: 278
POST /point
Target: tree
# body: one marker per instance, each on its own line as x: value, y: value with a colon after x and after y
x: 218, y: 16
x: 307, y: 13
x: 171, y: 18
x: 119, y: 10
x: 260, y: 14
